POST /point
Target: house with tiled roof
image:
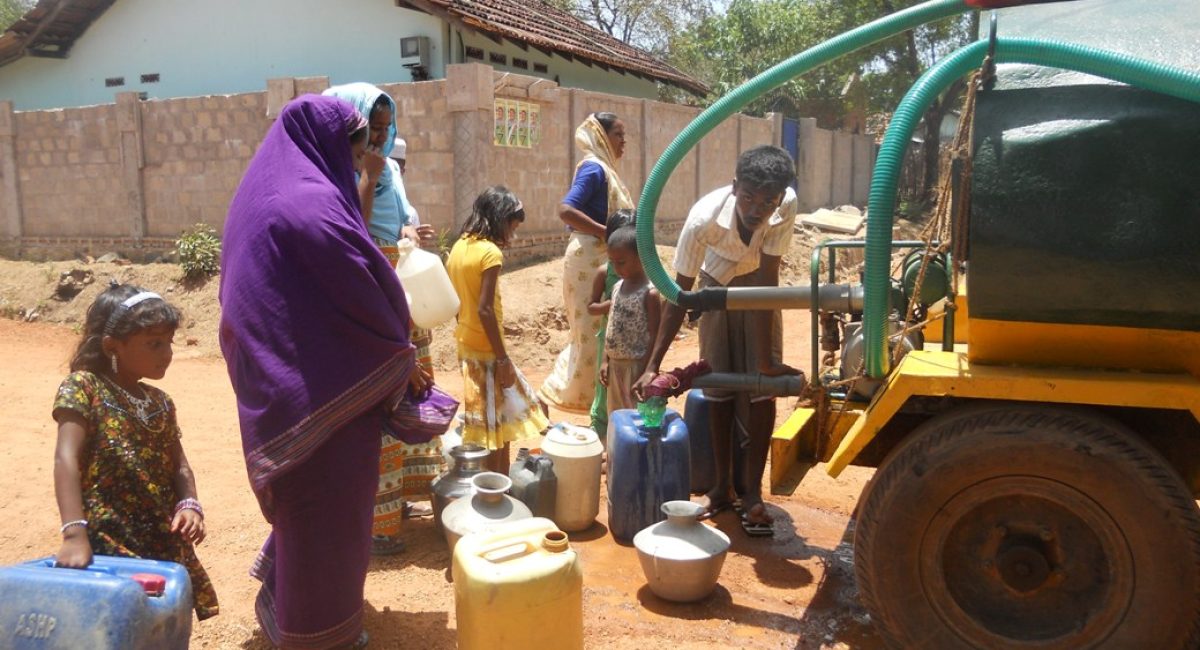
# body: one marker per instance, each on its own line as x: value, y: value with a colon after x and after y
x: 66, y: 53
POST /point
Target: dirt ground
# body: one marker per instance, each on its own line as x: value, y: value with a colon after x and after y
x: 795, y: 590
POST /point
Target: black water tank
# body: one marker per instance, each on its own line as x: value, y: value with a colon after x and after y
x: 1085, y: 207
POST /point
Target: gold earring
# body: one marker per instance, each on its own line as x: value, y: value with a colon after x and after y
x: 114, y: 364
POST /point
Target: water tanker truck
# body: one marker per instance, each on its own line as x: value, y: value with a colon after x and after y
x: 1027, y: 384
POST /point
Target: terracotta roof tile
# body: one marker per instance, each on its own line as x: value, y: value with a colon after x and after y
x: 52, y: 26
x: 548, y: 28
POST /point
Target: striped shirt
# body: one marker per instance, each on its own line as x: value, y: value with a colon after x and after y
x: 710, y: 241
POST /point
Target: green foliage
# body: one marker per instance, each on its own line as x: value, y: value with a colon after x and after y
x: 647, y: 24
x: 915, y: 209
x: 897, y: 62
x: 445, y: 241
x: 753, y: 35
x: 199, y: 251
x: 12, y: 10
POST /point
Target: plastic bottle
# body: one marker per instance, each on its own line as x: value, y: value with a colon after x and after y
x: 577, y: 454
x: 518, y: 586
x: 519, y: 461
x: 648, y: 466
x: 115, y: 604
x: 534, y: 482
x: 703, y: 465
x: 431, y: 297
x: 695, y: 414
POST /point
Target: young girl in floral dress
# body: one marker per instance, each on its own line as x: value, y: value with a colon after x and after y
x: 499, y: 406
x: 123, y: 483
x: 634, y: 313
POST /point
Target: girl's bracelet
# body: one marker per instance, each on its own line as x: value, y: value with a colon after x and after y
x: 72, y: 524
x: 189, y: 504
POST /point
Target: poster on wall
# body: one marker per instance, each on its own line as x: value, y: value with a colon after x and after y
x: 512, y: 122
x: 501, y: 127
x: 523, y: 125
x: 517, y: 123
x: 535, y: 125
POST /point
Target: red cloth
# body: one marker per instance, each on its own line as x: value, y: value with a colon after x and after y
x: 677, y: 381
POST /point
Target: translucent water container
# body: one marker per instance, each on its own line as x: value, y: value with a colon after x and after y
x: 115, y: 604
x: 431, y: 297
x: 647, y: 466
x: 577, y: 453
x: 518, y: 586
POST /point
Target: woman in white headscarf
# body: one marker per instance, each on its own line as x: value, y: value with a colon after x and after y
x: 596, y: 192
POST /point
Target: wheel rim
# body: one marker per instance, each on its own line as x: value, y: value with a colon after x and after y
x: 1027, y: 560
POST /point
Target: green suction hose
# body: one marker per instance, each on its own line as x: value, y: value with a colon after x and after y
x: 1127, y: 69
x: 729, y: 104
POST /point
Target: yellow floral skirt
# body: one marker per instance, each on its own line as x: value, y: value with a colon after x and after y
x: 494, y: 417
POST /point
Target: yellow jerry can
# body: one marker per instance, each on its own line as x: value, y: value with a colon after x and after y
x: 518, y: 585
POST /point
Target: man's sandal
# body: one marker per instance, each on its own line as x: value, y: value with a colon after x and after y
x: 755, y: 528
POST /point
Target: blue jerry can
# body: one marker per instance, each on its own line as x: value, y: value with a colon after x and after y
x: 703, y: 466
x: 647, y: 466
x: 695, y: 415
x: 102, y: 607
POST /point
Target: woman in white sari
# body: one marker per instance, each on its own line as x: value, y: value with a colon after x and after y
x: 596, y: 192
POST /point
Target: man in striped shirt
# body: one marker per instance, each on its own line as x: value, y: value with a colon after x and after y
x: 736, y: 236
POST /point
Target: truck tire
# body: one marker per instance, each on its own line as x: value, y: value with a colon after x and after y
x: 1022, y: 526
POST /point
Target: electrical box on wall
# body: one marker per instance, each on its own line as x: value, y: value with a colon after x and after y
x: 414, y: 51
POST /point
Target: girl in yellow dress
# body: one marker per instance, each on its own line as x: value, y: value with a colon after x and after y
x: 499, y: 406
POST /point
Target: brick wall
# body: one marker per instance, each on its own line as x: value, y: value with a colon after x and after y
x: 422, y: 120
x: 834, y: 167
x: 69, y: 170
x: 130, y: 176
x: 196, y: 150
x: 682, y: 187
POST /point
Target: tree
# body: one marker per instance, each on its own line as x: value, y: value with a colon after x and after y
x: 646, y: 24
x: 753, y: 35
x: 906, y: 57
x: 12, y: 10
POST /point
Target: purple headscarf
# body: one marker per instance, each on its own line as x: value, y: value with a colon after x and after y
x: 314, y: 323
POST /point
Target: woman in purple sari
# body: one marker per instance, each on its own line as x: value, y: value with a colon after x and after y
x: 314, y: 329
